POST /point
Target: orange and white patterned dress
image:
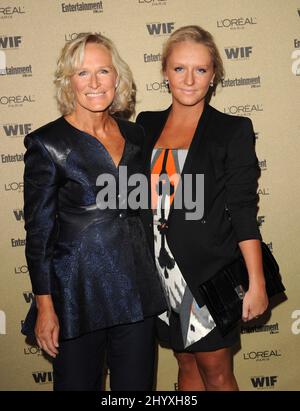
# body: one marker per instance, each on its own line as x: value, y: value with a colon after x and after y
x: 195, y: 322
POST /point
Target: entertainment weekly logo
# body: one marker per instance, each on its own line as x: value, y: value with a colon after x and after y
x: 95, y: 7
x: 8, y: 11
x: 12, y: 158
x: 238, y: 23
x: 24, y: 71
x: 151, y: 57
x: 265, y: 328
x: 153, y: 2
x: 252, y: 82
x: 263, y: 165
x: 295, y: 56
x: 8, y: 43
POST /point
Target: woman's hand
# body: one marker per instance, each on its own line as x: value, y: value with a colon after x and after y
x: 47, y: 325
x: 255, y: 302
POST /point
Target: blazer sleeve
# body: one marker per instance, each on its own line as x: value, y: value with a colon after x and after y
x: 40, y: 207
x: 242, y: 173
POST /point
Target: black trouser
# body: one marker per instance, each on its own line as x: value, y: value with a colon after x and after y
x: 130, y: 353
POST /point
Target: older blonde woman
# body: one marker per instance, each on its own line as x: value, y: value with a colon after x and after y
x: 95, y: 285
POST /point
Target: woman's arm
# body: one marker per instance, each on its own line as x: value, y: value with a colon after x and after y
x: 242, y: 172
x: 256, y: 300
x: 40, y: 208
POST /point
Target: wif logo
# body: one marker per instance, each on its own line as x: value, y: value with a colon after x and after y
x: 263, y: 382
x: 160, y: 29
x: 28, y: 297
x: 19, y: 214
x: 2, y: 322
x: 16, y: 130
x: 260, y: 220
x: 43, y: 377
x: 10, y: 42
x: 238, y: 53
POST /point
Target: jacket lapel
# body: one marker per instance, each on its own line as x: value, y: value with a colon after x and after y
x: 197, y: 150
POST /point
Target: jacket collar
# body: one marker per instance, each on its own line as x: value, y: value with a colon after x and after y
x: 197, y: 150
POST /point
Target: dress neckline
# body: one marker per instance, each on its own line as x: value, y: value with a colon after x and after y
x: 78, y: 130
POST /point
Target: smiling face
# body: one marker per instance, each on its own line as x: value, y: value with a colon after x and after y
x: 94, y: 82
x: 189, y: 70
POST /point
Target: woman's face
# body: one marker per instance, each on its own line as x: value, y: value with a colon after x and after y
x: 189, y: 70
x: 94, y: 83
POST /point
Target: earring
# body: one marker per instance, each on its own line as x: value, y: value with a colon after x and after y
x: 166, y: 82
x: 211, y: 84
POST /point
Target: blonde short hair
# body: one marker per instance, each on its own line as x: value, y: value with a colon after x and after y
x: 71, y: 57
x: 197, y: 35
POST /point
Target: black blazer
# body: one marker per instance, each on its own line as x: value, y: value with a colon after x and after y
x: 223, y: 150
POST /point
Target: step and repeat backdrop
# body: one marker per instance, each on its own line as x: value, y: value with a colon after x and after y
x: 260, y: 43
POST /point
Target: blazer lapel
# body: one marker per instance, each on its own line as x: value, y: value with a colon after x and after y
x: 197, y: 150
x: 156, y: 130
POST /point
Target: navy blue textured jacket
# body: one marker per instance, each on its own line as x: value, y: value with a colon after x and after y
x: 95, y: 263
